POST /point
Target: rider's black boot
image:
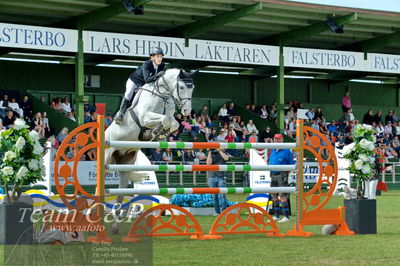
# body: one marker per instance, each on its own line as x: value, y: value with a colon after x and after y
x: 119, y: 117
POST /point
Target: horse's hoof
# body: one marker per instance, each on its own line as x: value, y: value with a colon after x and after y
x: 162, y: 137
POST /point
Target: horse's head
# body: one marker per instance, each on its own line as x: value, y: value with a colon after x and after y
x: 181, y: 84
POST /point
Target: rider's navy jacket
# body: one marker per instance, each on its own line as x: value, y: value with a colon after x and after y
x: 146, y: 73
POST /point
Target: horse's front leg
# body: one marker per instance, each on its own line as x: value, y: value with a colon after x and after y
x: 153, y: 120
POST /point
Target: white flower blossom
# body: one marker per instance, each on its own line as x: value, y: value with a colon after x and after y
x: 33, y: 165
x: 34, y: 136
x: 10, y: 155
x: 371, y: 159
x: 19, y: 124
x: 21, y: 172
x: 359, y: 164
x: 19, y: 145
x: 366, y: 126
x: 37, y: 149
x: 363, y: 157
x: 8, y: 170
x: 366, y: 169
x: 371, y: 146
x: 364, y: 143
x: 348, y: 148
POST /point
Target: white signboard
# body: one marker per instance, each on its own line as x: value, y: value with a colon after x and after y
x: 199, y: 50
x: 108, y: 43
x: 35, y: 37
x: 310, y: 173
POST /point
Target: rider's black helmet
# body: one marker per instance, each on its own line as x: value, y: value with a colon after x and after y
x: 156, y: 50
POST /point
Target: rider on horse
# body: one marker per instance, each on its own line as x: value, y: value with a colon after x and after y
x: 146, y: 73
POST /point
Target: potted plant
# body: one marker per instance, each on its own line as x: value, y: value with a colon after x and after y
x: 21, y: 164
x: 361, y: 212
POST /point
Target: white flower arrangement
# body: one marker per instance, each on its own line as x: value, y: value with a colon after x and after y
x: 360, y: 153
x: 22, y: 161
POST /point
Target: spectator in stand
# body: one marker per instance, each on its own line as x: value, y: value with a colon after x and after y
x: 66, y: 106
x: 264, y: 112
x: 3, y: 106
x: 396, y: 130
x: 388, y: 129
x: 46, y: 125
x: 179, y: 119
x: 333, y: 128
x: 37, y: 124
x: 349, y: 139
x: 273, y: 114
x: 230, y: 137
x: 62, y: 135
x: 253, y: 109
x: 395, y: 144
x: 310, y: 114
x: 88, y: 107
x: 238, y: 130
x: 189, y: 156
x: 396, y: 118
x: 251, y: 127
x: 324, y: 129
x: 266, y: 135
x: 167, y: 156
x: 340, y: 141
x: 253, y: 137
x: 203, y: 111
x: 156, y: 156
x: 71, y: 116
x: 223, y: 113
x: 315, y: 125
x: 231, y: 111
x: 291, y: 114
x: 43, y: 99
x: 91, y: 155
x: 318, y: 115
x: 1, y: 125
x: 187, y: 127
x: 349, y: 116
x: 378, y: 117
x: 15, y: 107
x: 213, y: 136
x: 346, y: 102
x: 174, y: 136
x: 221, y: 136
x: 380, y: 130
x: 368, y: 117
x: 108, y: 120
x: 26, y: 107
x: 356, y: 123
x: 56, y: 104
x: 201, y: 156
x: 386, y: 140
x: 389, y: 117
x: 8, y: 121
x: 290, y: 128
x: 87, y: 118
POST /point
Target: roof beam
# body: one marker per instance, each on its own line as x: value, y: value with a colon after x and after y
x: 206, y: 24
x: 91, y: 18
x: 298, y: 34
x: 343, y: 75
x: 374, y: 43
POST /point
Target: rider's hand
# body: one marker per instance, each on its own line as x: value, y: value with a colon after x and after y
x: 159, y: 74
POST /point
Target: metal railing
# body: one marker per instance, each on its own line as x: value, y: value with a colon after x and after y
x: 393, y: 164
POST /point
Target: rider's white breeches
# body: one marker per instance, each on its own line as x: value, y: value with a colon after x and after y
x: 130, y: 89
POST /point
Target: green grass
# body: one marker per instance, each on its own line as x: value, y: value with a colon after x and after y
x: 382, y: 248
